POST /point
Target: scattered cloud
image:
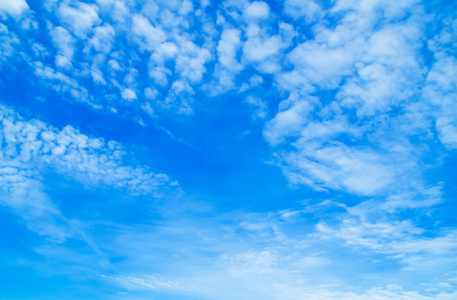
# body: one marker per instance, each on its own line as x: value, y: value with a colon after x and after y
x: 13, y: 8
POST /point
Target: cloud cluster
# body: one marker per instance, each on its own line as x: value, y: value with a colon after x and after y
x: 272, y: 261
x: 183, y: 43
x: 13, y: 8
x: 30, y: 150
x: 343, y: 82
x: 359, y: 99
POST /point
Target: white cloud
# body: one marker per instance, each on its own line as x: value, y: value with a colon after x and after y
x: 145, y: 34
x: 131, y: 77
x: 30, y: 148
x: 190, y: 63
x: 262, y: 49
x: 163, y: 52
x: 118, y: 10
x: 339, y: 167
x: 227, y: 49
x: 8, y: 43
x: 128, y: 94
x: 186, y: 8
x: 64, y: 41
x: 309, y: 10
x: 257, y: 49
x: 228, y: 65
x: 390, y: 9
x: 79, y: 18
x: 114, y: 65
x: 390, y: 71
x: 159, y: 74
x: 157, y: 69
x: 102, y: 40
x: 355, y: 117
x: 367, y: 227
x: 293, y: 114
x: 148, y: 282
x: 441, y: 84
x: 14, y: 8
x: 65, y: 82
x: 447, y: 128
x: 179, y: 98
x: 257, y: 10
x: 321, y: 64
x: 254, y: 81
x: 263, y: 258
x: 251, y: 262
x: 63, y: 62
x: 372, y: 68
x: 97, y: 74
x: 29, y: 23
x: 261, y: 106
x: 150, y: 94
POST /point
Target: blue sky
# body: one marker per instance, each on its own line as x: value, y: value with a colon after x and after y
x: 212, y: 150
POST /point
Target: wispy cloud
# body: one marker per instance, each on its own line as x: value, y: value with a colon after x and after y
x: 31, y: 149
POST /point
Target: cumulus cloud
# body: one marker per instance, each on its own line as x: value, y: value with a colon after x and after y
x: 13, y: 8
x: 257, y: 10
x: 190, y: 62
x: 262, y: 49
x: 8, y: 43
x: 227, y: 49
x: 340, y: 142
x: 441, y: 86
x: 146, y: 35
x: 79, y: 18
x: 309, y: 10
x: 261, y: 107
x: 103, y: 38
x: 63, y: 62
x: 90, y: 160
x: 292, y: 115
x: 31, y: 148
x: 340, y: 167
x: 228, y: 65
x: 128, y: 94
x: 64, y: 42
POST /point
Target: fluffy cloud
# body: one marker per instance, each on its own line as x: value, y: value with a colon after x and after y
x: 80, y: 18
x: 441, y: 86
x: 90, y: 160
x: 102, y: 40
x: 128, y: 94
x: 343, y: 86
x: 190, y: 62
x: 13, y: 8
x: 9, y: 42
x: 32, y: 148
x: 228, y: 65
x: 64, y: 42
x: 309, y: 10
x: 146, y: 35
x: 257, y: 10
